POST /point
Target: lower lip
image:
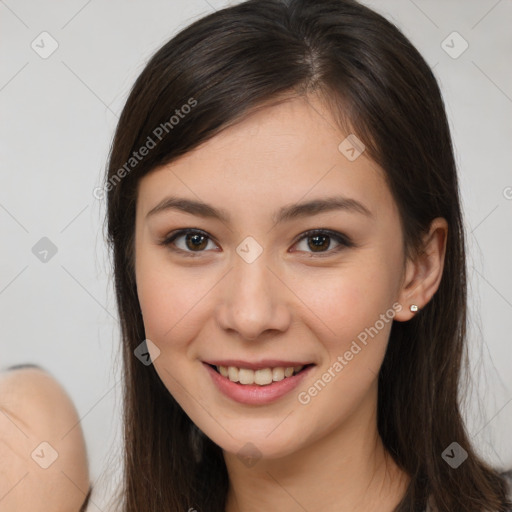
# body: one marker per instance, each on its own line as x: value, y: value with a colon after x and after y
x: 252, y: 394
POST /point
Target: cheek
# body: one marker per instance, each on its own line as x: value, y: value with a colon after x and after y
x: 176, y: 302
x: 353, y: 315
x: 348, y: 299
x: 170, y: 307
x: 168, y: 299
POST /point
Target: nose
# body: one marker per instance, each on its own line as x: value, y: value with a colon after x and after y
x: 254, y: 301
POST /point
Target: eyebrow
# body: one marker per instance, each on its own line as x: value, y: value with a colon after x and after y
x: 286, y: 213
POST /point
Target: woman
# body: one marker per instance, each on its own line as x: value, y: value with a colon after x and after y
x: 289, y: 259
x: 43, y: 461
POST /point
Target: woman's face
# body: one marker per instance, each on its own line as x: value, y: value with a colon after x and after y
x: 254, y: 290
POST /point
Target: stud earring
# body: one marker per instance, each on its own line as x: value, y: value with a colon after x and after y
x: 413, y: 308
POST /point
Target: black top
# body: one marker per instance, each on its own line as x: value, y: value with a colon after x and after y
x: 508, y: 477
x: 86, y: 502
x: 507, y: 474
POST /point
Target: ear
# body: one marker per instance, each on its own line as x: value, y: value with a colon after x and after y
x: 424, y: 273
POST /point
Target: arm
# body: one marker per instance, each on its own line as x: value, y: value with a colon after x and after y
x: 43, y: 460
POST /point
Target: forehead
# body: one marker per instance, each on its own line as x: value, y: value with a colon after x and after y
x: 279, y: 154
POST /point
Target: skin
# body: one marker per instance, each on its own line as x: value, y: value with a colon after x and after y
x: 35, y: 408
x: 291, y: 302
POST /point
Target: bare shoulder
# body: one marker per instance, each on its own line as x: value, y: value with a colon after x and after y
x: 43, y: 459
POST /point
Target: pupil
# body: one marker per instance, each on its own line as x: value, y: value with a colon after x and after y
x: 317, y: 243
x: 195, y: 238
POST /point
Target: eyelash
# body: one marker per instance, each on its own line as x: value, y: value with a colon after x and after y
x: 342, y: 239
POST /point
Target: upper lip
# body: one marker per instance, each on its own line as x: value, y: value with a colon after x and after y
x: 266, y: 363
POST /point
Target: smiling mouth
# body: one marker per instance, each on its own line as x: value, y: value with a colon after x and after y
x: 261, y: 377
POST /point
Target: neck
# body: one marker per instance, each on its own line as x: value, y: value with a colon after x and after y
x: 345, y: 470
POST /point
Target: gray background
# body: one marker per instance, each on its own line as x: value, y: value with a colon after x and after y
x: 58, y: 115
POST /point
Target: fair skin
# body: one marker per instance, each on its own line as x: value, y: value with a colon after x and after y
x: 35, y: 409
x: 292, y: 301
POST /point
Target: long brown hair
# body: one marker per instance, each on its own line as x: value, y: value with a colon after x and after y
x: 378, y: 87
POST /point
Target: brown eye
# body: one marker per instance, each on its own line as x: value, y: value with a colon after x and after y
x: 320, y: 241
x: 194, y: 241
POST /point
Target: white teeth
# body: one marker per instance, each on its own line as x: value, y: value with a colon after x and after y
x: 278, y: 374
x: 233, y: 374
x: 246, y: 376
x: 261, y: 377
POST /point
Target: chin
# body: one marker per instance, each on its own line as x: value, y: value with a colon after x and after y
x: 257, y: 444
